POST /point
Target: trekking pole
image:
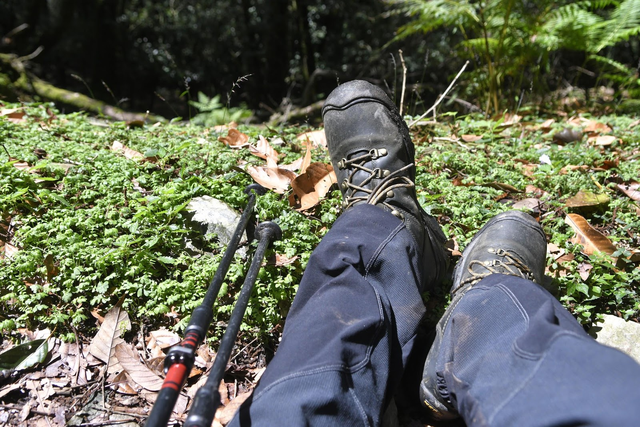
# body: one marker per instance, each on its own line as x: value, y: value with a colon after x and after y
x: 180, y: 359
x: 207, y: 399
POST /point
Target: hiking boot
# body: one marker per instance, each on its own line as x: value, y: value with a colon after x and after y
x: 373, y: 158
x: 512, y: 243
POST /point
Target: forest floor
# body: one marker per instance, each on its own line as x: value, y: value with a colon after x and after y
x: 101, y: 265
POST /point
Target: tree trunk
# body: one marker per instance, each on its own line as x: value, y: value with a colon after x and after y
x: 15, y: 80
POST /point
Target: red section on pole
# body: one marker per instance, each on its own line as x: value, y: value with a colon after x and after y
x: 175, y: 377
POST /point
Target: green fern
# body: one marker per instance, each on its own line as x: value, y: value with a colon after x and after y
x: 511, y: 38
x: 213, y: 113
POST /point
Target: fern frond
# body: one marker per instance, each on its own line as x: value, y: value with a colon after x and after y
x: 624, y: 23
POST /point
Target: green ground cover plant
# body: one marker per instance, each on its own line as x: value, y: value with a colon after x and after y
x: 84, y: 225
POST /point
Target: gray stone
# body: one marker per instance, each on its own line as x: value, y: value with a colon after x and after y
x: 214, y: 218
x: 616, y: 332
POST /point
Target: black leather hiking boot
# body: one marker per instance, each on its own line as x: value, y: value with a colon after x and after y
x: 372, y: 155
x: 511, y: 243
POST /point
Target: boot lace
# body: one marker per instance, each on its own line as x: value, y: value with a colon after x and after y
x: 389, y: 181
x: 507, y: 264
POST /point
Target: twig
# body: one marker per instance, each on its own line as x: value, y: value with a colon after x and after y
x: 441, y: 97
x: 6, y: 151
x: 32, y: 55
x: 108, y: 422
x: 404, y: 80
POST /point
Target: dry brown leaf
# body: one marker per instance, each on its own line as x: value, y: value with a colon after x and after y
x: 531, y: 203
x: 222, y: 128
x: 307, y: 157
x: 121, y: 384
x: 235, y: 139
x: 310, y: 187
x: 9, y: 251
x: 264, y: 150
x: 317, y: 137
x: 126, y: 151
x: 130, y: 361
x: 225, y: 415
x: 593, y: 126
x: 179, y: 408
x: 584, y: 268
x: 15, y: 115
x: 282, y: 260
x: 591, y: 239
x: 546, y: 125
x: 631, y: 189
x: 602, y: 140
x: 21, y: 165
x: 470, y: 138
x: 163, y: 338
x: 103, y: 345
x: 276, y: 179
x: 293, y: 166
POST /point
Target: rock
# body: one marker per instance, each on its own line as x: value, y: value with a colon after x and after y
x: 616, y: 332
x: 213, y: 217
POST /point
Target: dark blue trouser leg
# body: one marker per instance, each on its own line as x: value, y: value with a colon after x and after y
x: 350, y: 329
x: 511, y: 355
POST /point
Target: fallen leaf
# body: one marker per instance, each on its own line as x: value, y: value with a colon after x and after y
x: 282, y: 260
x: 591, y: 239
x: 221, y: 128
x: 225, y: 415
x: 532, y: 204
x: 546, y: 125
x: 21, y: 165
x: 586, y: 199
x: 307, y: 157
x: 310, y: 187
x: 15, y: 115
x: 235, y: 139
x: 602, y: 140
x: 179, y: 408
x: 264, y: 150
x: 317, y: 137
x: 593, y: 126
x: 129, y: 153
x: 276, y: 179
x: 103, y: 345
x: 538, y: 192
x: 631, y: 189
x: 121, y: 384
x: 584, y: 268
x: 293, y: 166
x: 130, y: 361
x: 163, y: 338
x: 471, y: 138
x: 9, y: 251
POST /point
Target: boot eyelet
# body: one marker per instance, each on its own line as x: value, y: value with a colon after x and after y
x: 397, y: 214
x: 386, y: 173
x: 382, y: 152
x: 345, y: 184
x: 389, y: 194
x: 341, y: 163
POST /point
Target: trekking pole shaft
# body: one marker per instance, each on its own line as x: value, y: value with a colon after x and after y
x: 207, y: 399
x: 179, y: 361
